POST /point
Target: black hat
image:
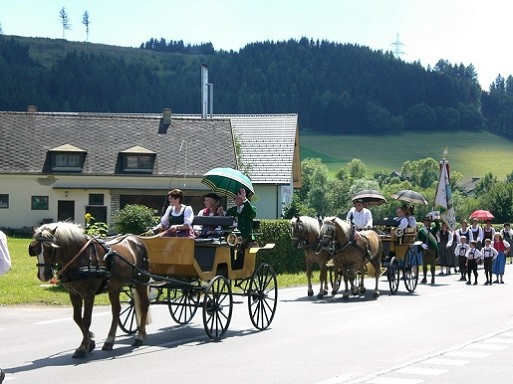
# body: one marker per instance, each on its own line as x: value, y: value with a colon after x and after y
x: 212, y: 195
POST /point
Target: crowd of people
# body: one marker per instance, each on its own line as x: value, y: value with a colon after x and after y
x: 460, y: 251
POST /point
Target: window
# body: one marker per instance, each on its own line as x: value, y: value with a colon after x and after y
x: 138, y: 163
x: 96, y: 199
x: 62, y: 161
x: 39, y: 203
x: 4, y: 201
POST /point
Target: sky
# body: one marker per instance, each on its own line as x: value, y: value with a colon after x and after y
x: 464, y: 32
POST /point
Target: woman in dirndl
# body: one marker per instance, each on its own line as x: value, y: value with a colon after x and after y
x: 499, y: 263
x: 446, y: 257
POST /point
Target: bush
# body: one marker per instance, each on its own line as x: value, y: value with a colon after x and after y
x: 283, y: 258
x: 135, y: 219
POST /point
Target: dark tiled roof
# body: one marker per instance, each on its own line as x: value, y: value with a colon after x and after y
x: 267, y: 145
x: 190, y: 146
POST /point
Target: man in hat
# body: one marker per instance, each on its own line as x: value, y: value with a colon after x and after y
x: 360, y: 219
x: 429, y: 247
x: 243, y: 213
x: 460, y: 252
x: 212, y: 208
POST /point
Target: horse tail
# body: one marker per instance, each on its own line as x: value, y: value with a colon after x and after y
x: 138, y: 309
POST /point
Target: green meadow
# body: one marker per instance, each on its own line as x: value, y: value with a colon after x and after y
x: 471, y: 154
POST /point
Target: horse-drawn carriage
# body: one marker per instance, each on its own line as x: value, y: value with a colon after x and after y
x: 185, y: 274
x: 400, y: 261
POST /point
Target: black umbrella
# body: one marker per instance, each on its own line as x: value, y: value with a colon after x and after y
x: 369, y: 197
x: 410, y: 197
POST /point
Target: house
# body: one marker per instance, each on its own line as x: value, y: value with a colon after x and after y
x: 58, y: 166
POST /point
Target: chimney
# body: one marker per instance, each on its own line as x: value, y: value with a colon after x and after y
x: 165, y: 121
x: 204, y: 91
x: 32, y: 108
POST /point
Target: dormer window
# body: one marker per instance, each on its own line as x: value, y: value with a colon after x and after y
x: 67, y: 158
x: 137, y: 160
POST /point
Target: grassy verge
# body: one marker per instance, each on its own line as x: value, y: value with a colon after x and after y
x: 20, y: 286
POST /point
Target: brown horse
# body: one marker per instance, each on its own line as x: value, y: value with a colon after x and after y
x: 88, y: 266
x: 351, y: 257
x: 305, y: 232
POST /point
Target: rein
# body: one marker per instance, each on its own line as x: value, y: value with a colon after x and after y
x: 335, y: 248
x: 66, y: 266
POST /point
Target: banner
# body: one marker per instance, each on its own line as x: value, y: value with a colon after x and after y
x: 443, y: 197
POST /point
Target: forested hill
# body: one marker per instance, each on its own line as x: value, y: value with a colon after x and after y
x: 335, y: 88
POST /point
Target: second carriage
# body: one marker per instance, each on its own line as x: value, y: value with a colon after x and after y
x: 401, y: 260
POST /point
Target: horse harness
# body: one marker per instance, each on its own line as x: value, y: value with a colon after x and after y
x: 335, y: 248
x: 302, y: 238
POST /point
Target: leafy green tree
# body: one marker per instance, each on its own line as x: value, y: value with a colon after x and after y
x: 485, y: 184
x: 498, y: 199
x: 356, y: 169
x: 422, y: 173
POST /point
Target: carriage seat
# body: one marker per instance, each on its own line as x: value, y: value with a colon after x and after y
x: 214, y: 221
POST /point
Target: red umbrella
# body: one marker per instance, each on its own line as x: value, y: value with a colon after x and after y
x: 481, y: 215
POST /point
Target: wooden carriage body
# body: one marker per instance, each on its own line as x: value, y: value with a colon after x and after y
x: 183, y: 257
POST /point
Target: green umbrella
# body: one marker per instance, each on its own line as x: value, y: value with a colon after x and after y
x: 228, y: 181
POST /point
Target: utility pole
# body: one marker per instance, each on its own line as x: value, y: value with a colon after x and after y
x: 398, y: 47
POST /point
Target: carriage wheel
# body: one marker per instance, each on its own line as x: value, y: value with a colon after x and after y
x: 183, y: 303
x: 411, y: 270
x: 393, y: 275
x: 262, y: 296
x: 217, y: 307
x: 127, y: 317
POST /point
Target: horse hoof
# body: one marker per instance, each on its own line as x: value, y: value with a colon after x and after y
x: 310, y: 293
x: 79, y: 354
x: 320, y: 295
x: 107, y: 347
x: 92, y: 345
x: 137, y: 343
x: 362, y: 291
x: 345, y: 296
x: 377, y: 294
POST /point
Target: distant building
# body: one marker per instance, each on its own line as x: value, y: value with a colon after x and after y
x: 59, y: 166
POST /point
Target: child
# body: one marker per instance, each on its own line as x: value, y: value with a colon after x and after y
x: 461, y: 253
x: 473, y: 255
x: 489, y: 254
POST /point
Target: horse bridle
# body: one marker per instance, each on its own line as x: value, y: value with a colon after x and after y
x: 41, y: 241
x: 300, y: 238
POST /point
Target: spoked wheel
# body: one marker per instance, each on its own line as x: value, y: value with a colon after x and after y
x: 217, y: 307
x: 127, y: 317
x: 183, y: 303
x: 411, y: 270
x: 393, y: 275
x: 262, y: 296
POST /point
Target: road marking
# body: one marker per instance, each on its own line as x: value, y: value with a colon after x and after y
x: 488, y: 347
x: 443, y: 361
x: 477, y: 355
x: 500, y: 340
x: 422, y: 371
x: 393, y: 380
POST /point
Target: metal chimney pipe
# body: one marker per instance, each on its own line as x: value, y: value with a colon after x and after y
x: 204, y: 91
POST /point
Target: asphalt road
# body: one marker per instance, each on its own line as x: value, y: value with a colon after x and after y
x: 445, y: 333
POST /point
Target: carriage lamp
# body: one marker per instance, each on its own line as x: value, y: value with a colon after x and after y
x: 234, y: 238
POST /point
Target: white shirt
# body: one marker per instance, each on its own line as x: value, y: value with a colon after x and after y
x: 473, y: 254
x: 489, y: 252
x: 362, y: 219
x: 461, y: 249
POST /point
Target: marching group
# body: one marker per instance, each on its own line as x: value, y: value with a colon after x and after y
x: 461, y: 250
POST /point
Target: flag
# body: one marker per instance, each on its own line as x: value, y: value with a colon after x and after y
x: 443, y: 197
